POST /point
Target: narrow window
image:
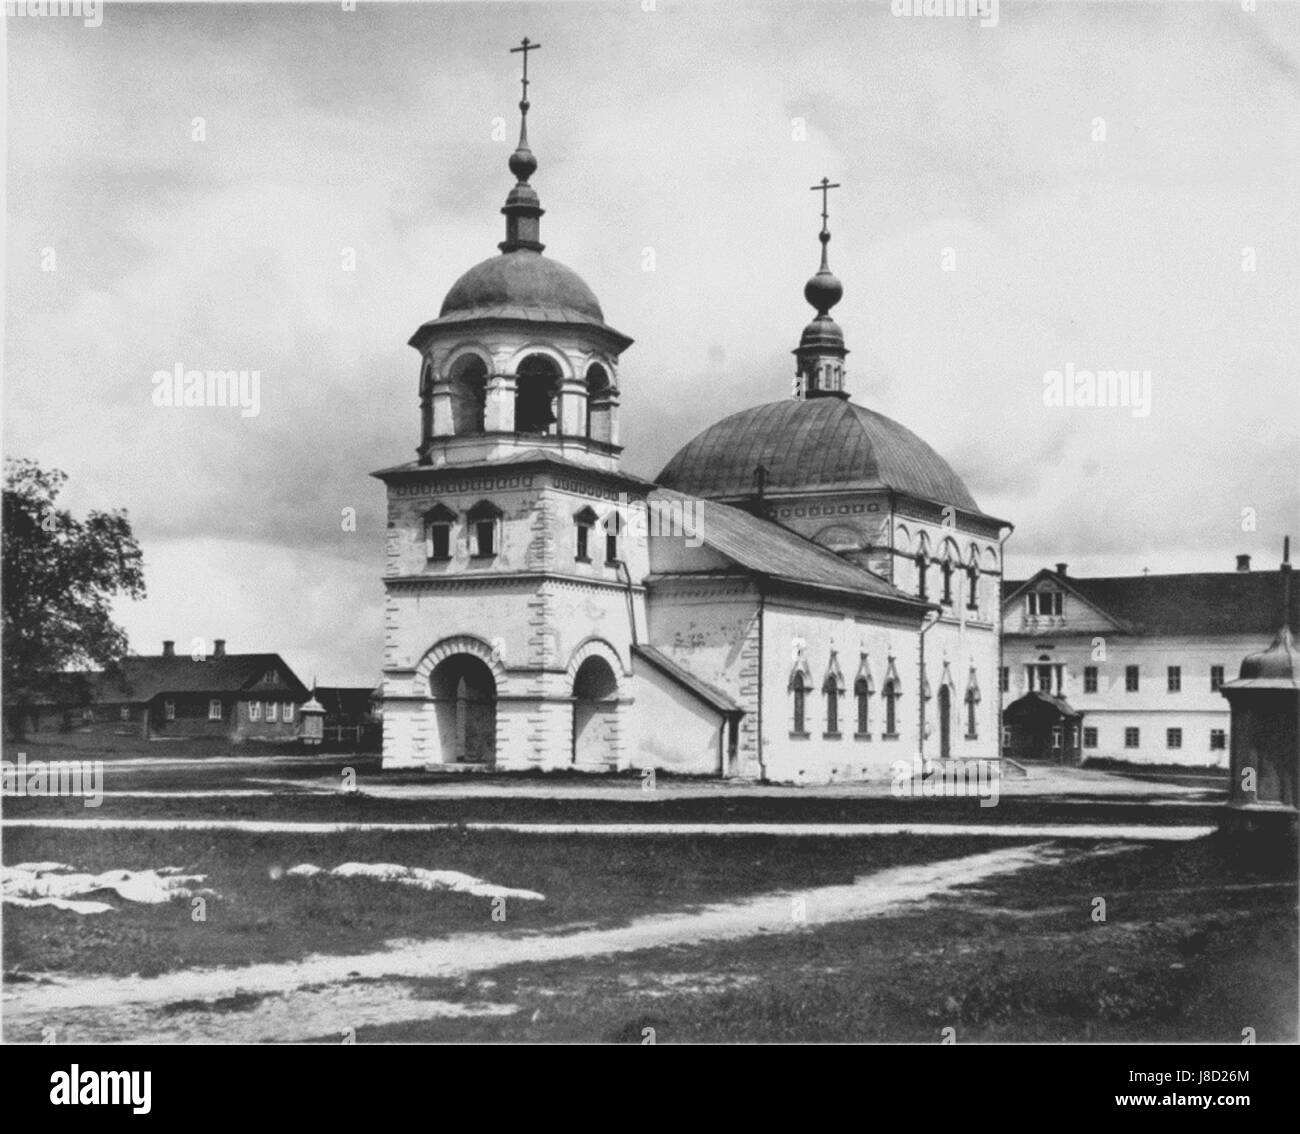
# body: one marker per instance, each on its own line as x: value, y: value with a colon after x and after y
x: 214, y: 710
x: 437, y: 532
x: 831, y: 689
x: 169, y: 710
x: 1218, y: 739
x: 1175, y: 678
x: 484, y: 519
x: 1006, y: 679
x: 1132, y: 737
x: 972, y: 588
x: 862, y: 694
x: 947, y: 584
x: 125, y: 713
x: 1173, y: 738
x: 1216, y: 678
x: 254, y: 710
x: 1090, y: 738
x: 1031, y: 604
x: 612, y: 527
x: 1090, y: 679
x: 891, y: 710
x: 584, y: 521
x: 921, y: 564
x: 799, y: 693
x: 1130, y: 679
x: 972, y: 726
x: 272, y: 711
x: 288, y: 710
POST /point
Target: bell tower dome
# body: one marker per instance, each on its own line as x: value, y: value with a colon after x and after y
x: 520, y: 356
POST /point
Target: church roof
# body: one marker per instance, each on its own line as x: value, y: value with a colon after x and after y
x: 813, y: 445
x: 766, y: 548
x: 1209, y: 602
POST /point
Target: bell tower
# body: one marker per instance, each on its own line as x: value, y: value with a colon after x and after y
x: 516, y: 547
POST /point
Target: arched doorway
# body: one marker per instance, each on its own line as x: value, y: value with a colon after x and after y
x: 945, y: 722
x: 595, y: 689
x: 537, y: 396
x: 465, y: 695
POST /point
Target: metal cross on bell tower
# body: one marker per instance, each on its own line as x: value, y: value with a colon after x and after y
x: 525, y: 46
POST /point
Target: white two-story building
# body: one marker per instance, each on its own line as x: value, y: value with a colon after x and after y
x: 1129, y: 667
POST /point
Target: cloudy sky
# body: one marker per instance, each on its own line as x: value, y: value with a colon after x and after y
x: 693, y: 130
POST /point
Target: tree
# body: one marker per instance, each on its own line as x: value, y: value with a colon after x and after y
x: 58, y: 578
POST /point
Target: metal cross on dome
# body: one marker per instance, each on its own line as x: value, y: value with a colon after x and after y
x: 525, y: 45
x: 824, y: 187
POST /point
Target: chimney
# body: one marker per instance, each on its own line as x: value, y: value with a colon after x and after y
x: 169, y: 648
x: 1060, y: 568
x: 1243, y: 562
x: 219, y: 648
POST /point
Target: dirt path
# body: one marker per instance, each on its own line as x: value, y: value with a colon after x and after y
x: 314, y: 997
x: 1123, y: 831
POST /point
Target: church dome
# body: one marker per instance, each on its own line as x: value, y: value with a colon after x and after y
x: 823, y: 443
x: 523, y: 284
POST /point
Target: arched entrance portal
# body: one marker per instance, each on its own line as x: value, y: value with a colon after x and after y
x: 595, y: 689
x: 945, y: 722
x: 465, y: 693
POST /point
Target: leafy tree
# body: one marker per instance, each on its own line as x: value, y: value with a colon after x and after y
x: 59, y: 576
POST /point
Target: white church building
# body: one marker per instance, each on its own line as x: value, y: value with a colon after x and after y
x: 806, y: 593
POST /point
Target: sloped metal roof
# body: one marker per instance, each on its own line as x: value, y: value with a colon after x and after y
x: 707, y: 693
x: 813, y: 445
x: 765, y: 547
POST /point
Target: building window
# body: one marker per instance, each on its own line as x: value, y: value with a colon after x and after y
x: 1218, y: 739
x: 1175, y: 679
x: 1006, y: 679
x: 214, y: 710
x: 862, y: 694
x: 288, y: 710
x: 972, y: 589
x: 947, y: 583
x: 1044, y: 602
x: 1216, y: 678
x: 124, y: 713
x: 87, y: 714
x: 972, y: 726
x: 484, y: 520
x: 613, y: 526
x: 1090, y: 679
x: 891, y: 710
x: 1057, y: 736
x: 169, y: 710
x: 1132, y: 737
x: 799, y: 698
x: 832, y: 708
x: 254, y: 710
x: 1090, y: 738
x: 584, y: 521
x: 1131, y: 678
x: 272, y: 711
x: 1173, y: 738
x: 437, y: 532
x: 922, y: 563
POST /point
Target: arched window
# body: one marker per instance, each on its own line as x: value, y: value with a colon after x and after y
x: 891, y: 696
x: 468, y: 385
x: 598, y: 403
x: 799, y: 686
x: 833, y: 688
x: 438, y: 523
x: 613, y: 529
x: 922, y: 564
x: 426, y: 402
x: 485, y: 529
x: 973, y: 587
x: 537, y: 393
x: 972, y: 701
x: 584, y: 521
x: 946, y: 599
x: 862, y: 695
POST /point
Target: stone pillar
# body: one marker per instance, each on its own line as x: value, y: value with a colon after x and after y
x: 499, y: 412
x: 604, y: 416
x: 573, y: 408
x: 443, y: 426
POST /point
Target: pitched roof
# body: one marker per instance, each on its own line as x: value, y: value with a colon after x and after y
x: 1222, y: 602
x: 707, y: 693
x: 767, y: 548
x: 143, y: 678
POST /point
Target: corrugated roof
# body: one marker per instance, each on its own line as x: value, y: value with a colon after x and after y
x: 813, y: 445
x: 710, y: 694
x: 1222, y: 602
x: 767, y: 548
